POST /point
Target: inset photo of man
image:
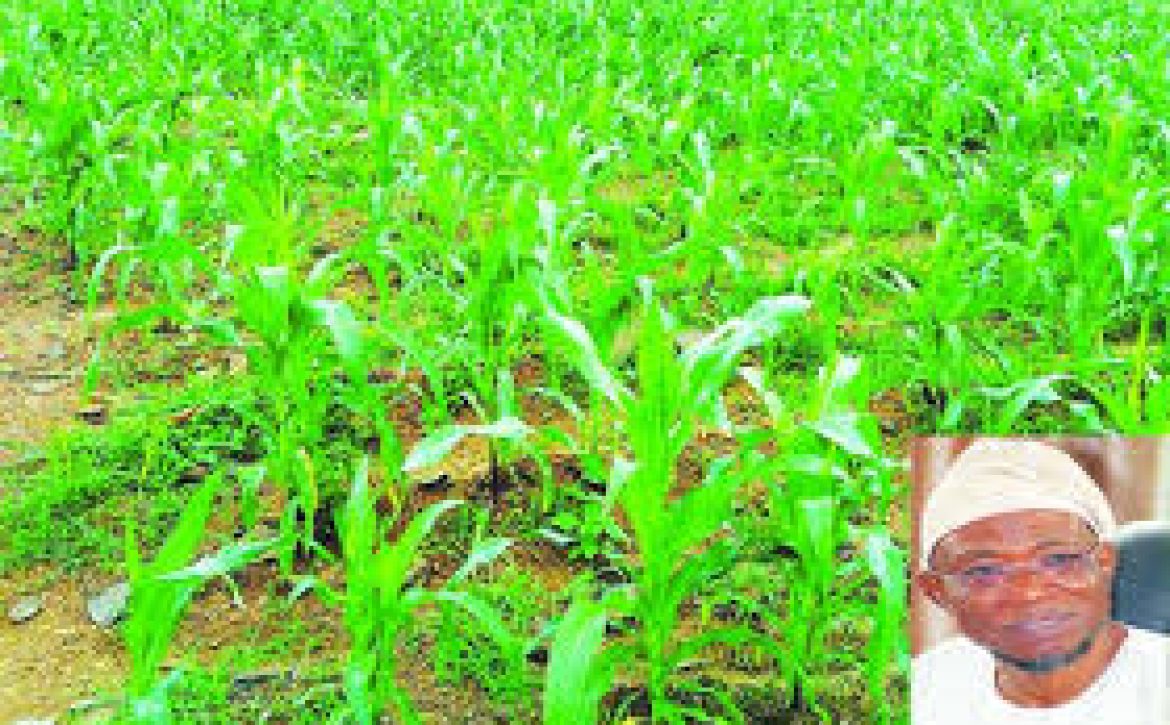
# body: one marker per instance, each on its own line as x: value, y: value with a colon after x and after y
x: 1041, y: 586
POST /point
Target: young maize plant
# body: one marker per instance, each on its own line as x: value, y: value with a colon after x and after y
x: 675, y: 394
x: 380, y: 602
x: 295, y: 339
x: 830, y: 473
x: 160, y: 592
x: 888, y: 647
x: 62, y: 116
x: 580, y: 669
x: 297, y: 331
x: 152, y: 245
x: 495, y: 299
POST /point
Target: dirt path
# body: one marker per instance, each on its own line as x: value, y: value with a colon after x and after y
x: 57, y: 658
x: 42, y: 351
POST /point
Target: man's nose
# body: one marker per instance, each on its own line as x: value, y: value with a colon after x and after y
x: 1028, y: 582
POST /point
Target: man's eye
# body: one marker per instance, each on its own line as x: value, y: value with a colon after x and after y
x: 985, y: 570
x: 1063, y: 559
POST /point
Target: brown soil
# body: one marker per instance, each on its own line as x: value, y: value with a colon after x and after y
x: 56, y: 659
x: 43, y: 352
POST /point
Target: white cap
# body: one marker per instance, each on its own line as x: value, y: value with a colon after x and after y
x: 1000, y: 476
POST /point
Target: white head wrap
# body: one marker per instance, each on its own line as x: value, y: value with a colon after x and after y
x: 999, y: 476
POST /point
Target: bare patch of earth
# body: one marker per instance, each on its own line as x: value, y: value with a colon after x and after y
x: 43, y: 352
x: 56, y: 659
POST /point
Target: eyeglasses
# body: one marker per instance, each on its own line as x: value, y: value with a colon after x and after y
x: 1066, y: 566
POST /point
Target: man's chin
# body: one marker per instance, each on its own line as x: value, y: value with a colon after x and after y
x: 1040, y: 662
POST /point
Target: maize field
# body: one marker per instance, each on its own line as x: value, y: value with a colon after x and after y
x: 485, y: 361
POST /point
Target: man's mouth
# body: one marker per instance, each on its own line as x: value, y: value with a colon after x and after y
x: 1042, y: 626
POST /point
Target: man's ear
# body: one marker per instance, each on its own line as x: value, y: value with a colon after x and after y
x: 932, y: 585
x: 1107, y: 557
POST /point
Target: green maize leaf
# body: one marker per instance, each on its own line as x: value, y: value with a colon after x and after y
x: 483, y: 554
x: 1158, y: 401
x: 276, y: 282
x: 656, y: 372
x: 556, y: 537
x: 357, y: 688
x: 156, y: 604
x: 270, y: 304
x: 180, y: 249
x: 324, y: 273
x: 99, y: 272
x: 839, y: 387
x: 358, y: 540
x: 586, y: 358
x: 221, y: 332
x: 311, y: 583
x: 393, y: 563
x: 153, y: 708
x: 814, y: 530
x: 553, y: 436
x: 754, y: 377
x: 577, y: 677
x: 132, y: 554
x: 687, y: 578
x: 711, y: 360
x: 184, y: 540
x: 435, y: 447
x: 506, y: 394
x: 223, y: 562
x: 250, y: 480
x: 844, y: 429
x: 701, y: 512
x: 620, y: 473
x: 811, y: 464
x: 1090, y: 419
x: 887, y: 561
x: 344, y: 329
x: 484, y: 614
x: 952, y: 415
x: 1022, y: 396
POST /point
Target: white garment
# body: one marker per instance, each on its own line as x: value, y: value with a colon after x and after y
x: 954, y: 684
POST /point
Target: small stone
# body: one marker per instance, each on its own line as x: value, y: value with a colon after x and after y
x: 251, y: 679
x: 55, y: 351
x: 185, y: 414
x: 45, y: 387
x: 90, y: 708
x: 26, y: 608
x: 166, y: 326
x: 442, y: 483
x: 107, y: 608
x: 95, y: 414
x: 237, y: 363
x: 245, y: 683
x: 195, y: 474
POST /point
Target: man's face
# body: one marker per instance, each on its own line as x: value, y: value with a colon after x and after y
x: 1031, y: 615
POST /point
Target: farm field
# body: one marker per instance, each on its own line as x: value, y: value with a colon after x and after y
x: 477, y: 361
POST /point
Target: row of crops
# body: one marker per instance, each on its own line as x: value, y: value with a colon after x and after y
x: 684, y: 277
